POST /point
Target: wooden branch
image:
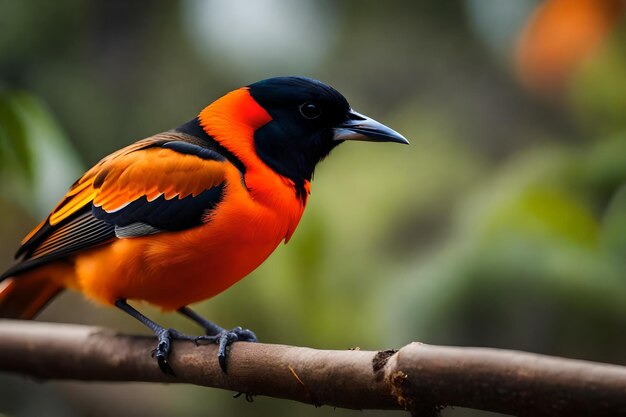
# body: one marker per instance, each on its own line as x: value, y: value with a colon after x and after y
x: 419, y: 378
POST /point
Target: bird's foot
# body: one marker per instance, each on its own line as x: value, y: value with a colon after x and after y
x: 163, y: 348
x: 224, y: 339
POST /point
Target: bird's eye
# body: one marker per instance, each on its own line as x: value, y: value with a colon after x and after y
x: 310, y: 110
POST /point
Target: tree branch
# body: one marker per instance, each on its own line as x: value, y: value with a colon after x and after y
x: 418, y: 377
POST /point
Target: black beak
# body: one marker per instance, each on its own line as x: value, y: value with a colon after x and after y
x: 359, y: 127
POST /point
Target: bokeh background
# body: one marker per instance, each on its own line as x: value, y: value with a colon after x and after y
x: 503, y: 223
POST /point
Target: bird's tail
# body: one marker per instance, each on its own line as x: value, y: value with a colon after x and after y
x: 24, y: 297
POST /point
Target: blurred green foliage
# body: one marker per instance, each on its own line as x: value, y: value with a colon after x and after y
x: 503, y: 224
x: 533, y: 263
x: 14, y: 153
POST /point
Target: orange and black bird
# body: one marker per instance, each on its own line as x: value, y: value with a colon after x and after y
x: 182, y: 215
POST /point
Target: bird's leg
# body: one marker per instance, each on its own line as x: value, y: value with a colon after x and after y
x: 164, y: 335
x: 216, y: 334
x: 211, y: 328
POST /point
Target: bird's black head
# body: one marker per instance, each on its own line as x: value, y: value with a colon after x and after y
x: 304, y: 112
x: 309, y: 119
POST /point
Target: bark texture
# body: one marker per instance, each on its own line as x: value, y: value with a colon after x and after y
x: 419, y: 378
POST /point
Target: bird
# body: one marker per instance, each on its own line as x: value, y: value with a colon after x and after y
x: 180, y: 216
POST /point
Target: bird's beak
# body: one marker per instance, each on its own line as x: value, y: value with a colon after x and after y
x: 359, y: 127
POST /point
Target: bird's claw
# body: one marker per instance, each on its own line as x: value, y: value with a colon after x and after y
x: 165, y: 366
x: 244, y: 335
x: 162, y: 351
x: 224, y: 340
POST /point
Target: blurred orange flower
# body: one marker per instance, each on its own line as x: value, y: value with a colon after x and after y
x: 560, y: 35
